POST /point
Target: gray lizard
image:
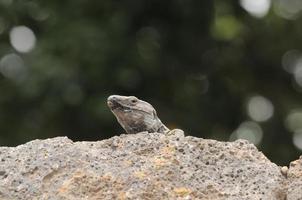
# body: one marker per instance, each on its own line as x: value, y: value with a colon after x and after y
x: 135, y: 115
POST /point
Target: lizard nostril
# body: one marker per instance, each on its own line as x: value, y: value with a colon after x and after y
x: 109, y: 103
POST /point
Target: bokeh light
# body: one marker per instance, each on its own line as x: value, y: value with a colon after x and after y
x: 256, y: 8
x: 292, y: 63
x: 6, y: 2
x: 36, y: 12
x: 226, y: 27
x: 259, y: 108
x: 22, y: 38
x: 288, y: 9
x: 12, y: 66
x: 291, y: 59
x: 297, y: 139
x: 293, y: 121
x: 298, y: 72
x: 248, y: 130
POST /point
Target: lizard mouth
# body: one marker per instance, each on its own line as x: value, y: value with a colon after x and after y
x: 113, y: 105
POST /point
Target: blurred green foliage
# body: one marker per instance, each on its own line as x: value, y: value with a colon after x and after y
x: 198, y: 63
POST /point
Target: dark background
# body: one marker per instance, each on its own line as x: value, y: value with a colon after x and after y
x: 217, y: 69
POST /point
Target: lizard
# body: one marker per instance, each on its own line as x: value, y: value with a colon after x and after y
x: 135, y: 115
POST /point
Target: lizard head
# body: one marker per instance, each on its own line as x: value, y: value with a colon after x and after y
x: 128, y: 103
x: 133, y: 114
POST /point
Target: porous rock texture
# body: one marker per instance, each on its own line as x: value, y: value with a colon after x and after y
x: 139, y: 166
x: 294, y: 180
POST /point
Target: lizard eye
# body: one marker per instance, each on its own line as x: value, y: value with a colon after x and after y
x: 133, y: 100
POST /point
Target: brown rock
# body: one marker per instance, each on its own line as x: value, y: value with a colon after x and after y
x: 139, y: 166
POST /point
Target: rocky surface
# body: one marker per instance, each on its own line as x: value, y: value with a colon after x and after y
x: 142, y: 166
x: 294, y: 180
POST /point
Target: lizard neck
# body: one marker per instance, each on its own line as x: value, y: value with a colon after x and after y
x: 163, y: 129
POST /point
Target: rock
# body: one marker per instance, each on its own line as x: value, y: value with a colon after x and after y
x: 284, y: 170
x: 138, y: 166
x: 294, y: 180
